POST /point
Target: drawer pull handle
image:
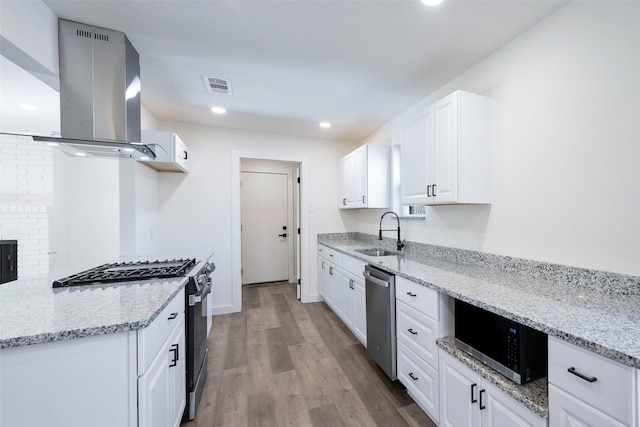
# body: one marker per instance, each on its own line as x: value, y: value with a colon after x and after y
x: 412, y: 377
x: 411, y: 294
x: 173, y: 316
x: 412, y: 332
x: 481, y: 405
x: 473, y: 399
x: 573, y: 371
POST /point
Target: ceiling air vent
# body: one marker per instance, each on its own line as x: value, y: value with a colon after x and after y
x: 218, y: 85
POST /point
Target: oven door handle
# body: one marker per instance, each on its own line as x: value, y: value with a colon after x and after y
x: 205, y: 291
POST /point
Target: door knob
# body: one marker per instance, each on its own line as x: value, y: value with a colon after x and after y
x: 282, y: 235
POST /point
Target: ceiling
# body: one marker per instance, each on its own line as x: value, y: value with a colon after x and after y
x: 294, y: 63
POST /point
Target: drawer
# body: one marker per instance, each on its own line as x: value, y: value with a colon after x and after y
x: 330, y: 254
x: 418, y: 332
x: 151, y: 338
x: 566, y: 410
x: 353, y: 265
x: 417, y: 296
x: 613, y: 389
x: 420, y: 379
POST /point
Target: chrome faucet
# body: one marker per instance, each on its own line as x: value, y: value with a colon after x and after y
x: 399, y: 243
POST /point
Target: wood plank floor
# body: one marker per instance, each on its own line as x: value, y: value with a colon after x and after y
x: 283, y: 363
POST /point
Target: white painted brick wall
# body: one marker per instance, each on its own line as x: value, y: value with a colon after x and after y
x: 26, y: 201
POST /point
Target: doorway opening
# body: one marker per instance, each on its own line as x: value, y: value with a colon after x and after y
x: 301, y: 248
x: 270, y: 218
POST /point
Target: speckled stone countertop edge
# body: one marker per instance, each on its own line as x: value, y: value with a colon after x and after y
x: 534, y: 395
x: 89, y: 332
x: 330, y: 240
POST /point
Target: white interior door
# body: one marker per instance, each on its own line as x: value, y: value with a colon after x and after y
x: 264, y: 222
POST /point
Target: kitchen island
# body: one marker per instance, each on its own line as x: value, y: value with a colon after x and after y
x: 91, y: 355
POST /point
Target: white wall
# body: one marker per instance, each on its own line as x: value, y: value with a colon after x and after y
x: 566, y: 156
x: 195, y: 209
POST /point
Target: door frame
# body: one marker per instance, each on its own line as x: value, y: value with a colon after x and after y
x: 236, y: 220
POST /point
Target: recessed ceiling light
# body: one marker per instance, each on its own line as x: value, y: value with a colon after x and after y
x: 144, y: 158
x: 325, y: 124
x: 218, y: 110
x: 432, y: 2
x: 128, y: 150
x: 29, y: 107
x: 53, y: 144
x: 79, y: 154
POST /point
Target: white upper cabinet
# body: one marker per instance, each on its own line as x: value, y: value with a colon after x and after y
x: 172, y: 154
x: 364, y: 179
x: 446, y: 152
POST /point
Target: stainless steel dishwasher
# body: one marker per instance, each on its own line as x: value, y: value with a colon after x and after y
x: 381, y: 318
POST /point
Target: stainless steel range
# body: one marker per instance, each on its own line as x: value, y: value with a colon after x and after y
x: 198, y: 287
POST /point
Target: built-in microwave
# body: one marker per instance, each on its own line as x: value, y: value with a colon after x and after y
x: 516, y: 351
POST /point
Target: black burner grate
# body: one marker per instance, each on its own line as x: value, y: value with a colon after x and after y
x: 128, y: 271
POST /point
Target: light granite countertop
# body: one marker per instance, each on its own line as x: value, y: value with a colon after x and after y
x: 601, y: 320
x: 32, y: 311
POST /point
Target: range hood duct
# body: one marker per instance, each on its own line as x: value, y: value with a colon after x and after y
x: 99, y: 93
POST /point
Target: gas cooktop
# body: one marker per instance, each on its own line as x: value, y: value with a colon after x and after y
x: 128, y: 271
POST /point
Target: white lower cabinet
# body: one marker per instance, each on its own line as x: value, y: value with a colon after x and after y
x: 162, y: 388
x: 422, y: 316
x: 341, y: 285
x: 466, y: 399
x: 586, y: 389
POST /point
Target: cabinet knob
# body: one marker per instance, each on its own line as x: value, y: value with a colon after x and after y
x: 413, y: 377
x: 473, y: 398
x: 433, y: 190
x: 412, y: 332
x: 428, y: 191
x: 411, y: 294
x: 172, y: 316
x: 481, y: 405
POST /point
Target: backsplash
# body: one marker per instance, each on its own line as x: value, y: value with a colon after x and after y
x: 601, y: 281
x: 26, y: 201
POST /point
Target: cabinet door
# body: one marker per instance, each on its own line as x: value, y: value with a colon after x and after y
x: 323, y: 272
x: 459, y: 390
x: 567, y: 411
x: 347, y: 300
x: 177, y: 375
x: 346, y: 182
x: 334, y: 282
x: 153, y: 393
x: 416, y: 171
x: 360, y: 311
x: 360, y: 170
x: 499, y: 410
x: 445, y: 150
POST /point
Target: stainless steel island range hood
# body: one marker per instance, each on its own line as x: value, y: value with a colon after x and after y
x: 99, y: 93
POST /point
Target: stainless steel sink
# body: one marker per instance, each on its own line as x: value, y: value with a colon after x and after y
x: 378, y: 252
